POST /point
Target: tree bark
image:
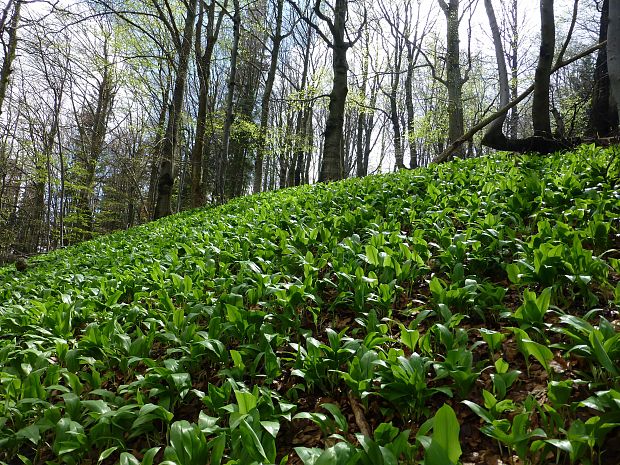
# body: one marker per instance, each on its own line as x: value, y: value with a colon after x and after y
x: 228, y: 122
x: 541, y: 118
x: 301, y: 143
x: 7, y: 63
x: 413, y: 155
x: 454, y: 80
x: 613, y: 51
x: 535, y: 143
x: 513, y: 64
x: 504, y: 89
x: 362, y: 117
x: 93, y: 133
x: 171, y: 138
x: 399, y: 155
x: 603, y: 115
x: 264, y: 113
x: 332, y: 167
x: 203, y: 65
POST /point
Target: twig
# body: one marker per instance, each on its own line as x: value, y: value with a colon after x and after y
x: 360, y: 419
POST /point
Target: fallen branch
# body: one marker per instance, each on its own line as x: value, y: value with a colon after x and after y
x: 443, y: 156
x: 360, y: 419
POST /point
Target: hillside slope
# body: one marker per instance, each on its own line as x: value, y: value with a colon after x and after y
x: 481, y: 294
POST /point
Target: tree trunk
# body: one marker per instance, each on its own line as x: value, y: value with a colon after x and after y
x: 171, y: 137
x: 203, y: 70
x: 5, y: 72
x: 399, y: 155
x: 541, y: 118
x: 494, y: 136
x: 302, y: 140
x: 93, y: 148
x: 613, y: 51
x: 504, y: 88
x: 530, y: 144
x: 454, y: 80
x: 603, y: 115
x: 228, y: 122
x: 361, y: 115
x: 513, y: 63
x: 413, y: 156
x: 264, y: 113
x: 332, y: 166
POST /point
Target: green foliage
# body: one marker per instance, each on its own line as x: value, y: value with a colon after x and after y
x: 201, y: 337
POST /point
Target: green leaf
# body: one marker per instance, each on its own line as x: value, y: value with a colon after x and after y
x: 272, y: 427
x: 31, y: 433
x: 372, y: 255
x: 339, y: 454
x: 149, y: 456
x: 188, y: 443
x: 251, y: 441
x: 308, y: 455
x: 106, y: 453
x: 601, y: 354
x: 339, y: 418
x: 481, y: 412
x: 540, y: 352
x: 128, y: 459
x: 409, y: 337
x: 513, y: 272
x: 217, y: 447
x: 445, y: 447
x: 246, y: 401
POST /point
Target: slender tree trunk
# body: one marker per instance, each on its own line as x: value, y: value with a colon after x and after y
x: 413, y: 156
x: 541, y: 118
x: 7, y: 63
x: 513, y: 62
x: 361, y: 115
x: 332, y: 167
x: 399, y: 155
x: 302, y: 143
x: 228, y: 122
x: 368, y: 128
x: 603, y: 115
x: 496, y: 127
x: 203, y: 65
x: 301, y: 139
x: 93, y: 149
x: 170, y: 143
x: 613, y: 51
x: 61, y: 209
x: 359, y: 159
x: 196, y: 196
x: 309, y: 137
x: 264, y: 112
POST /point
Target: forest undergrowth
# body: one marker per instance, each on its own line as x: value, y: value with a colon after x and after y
x: 462, y: 313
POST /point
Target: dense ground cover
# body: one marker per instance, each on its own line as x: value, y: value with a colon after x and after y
x: 372, y: 321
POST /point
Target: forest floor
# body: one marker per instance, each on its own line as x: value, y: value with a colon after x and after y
x: 461, y: 313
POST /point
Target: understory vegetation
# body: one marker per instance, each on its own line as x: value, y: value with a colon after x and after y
x: 461, y: 313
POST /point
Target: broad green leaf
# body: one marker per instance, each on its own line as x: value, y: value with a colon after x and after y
x: 339, y: 454
x: 246, y: 401
x: 252, y: 442
x: 601, y: 354
x: 445, y: 447
x: 128, y: 459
